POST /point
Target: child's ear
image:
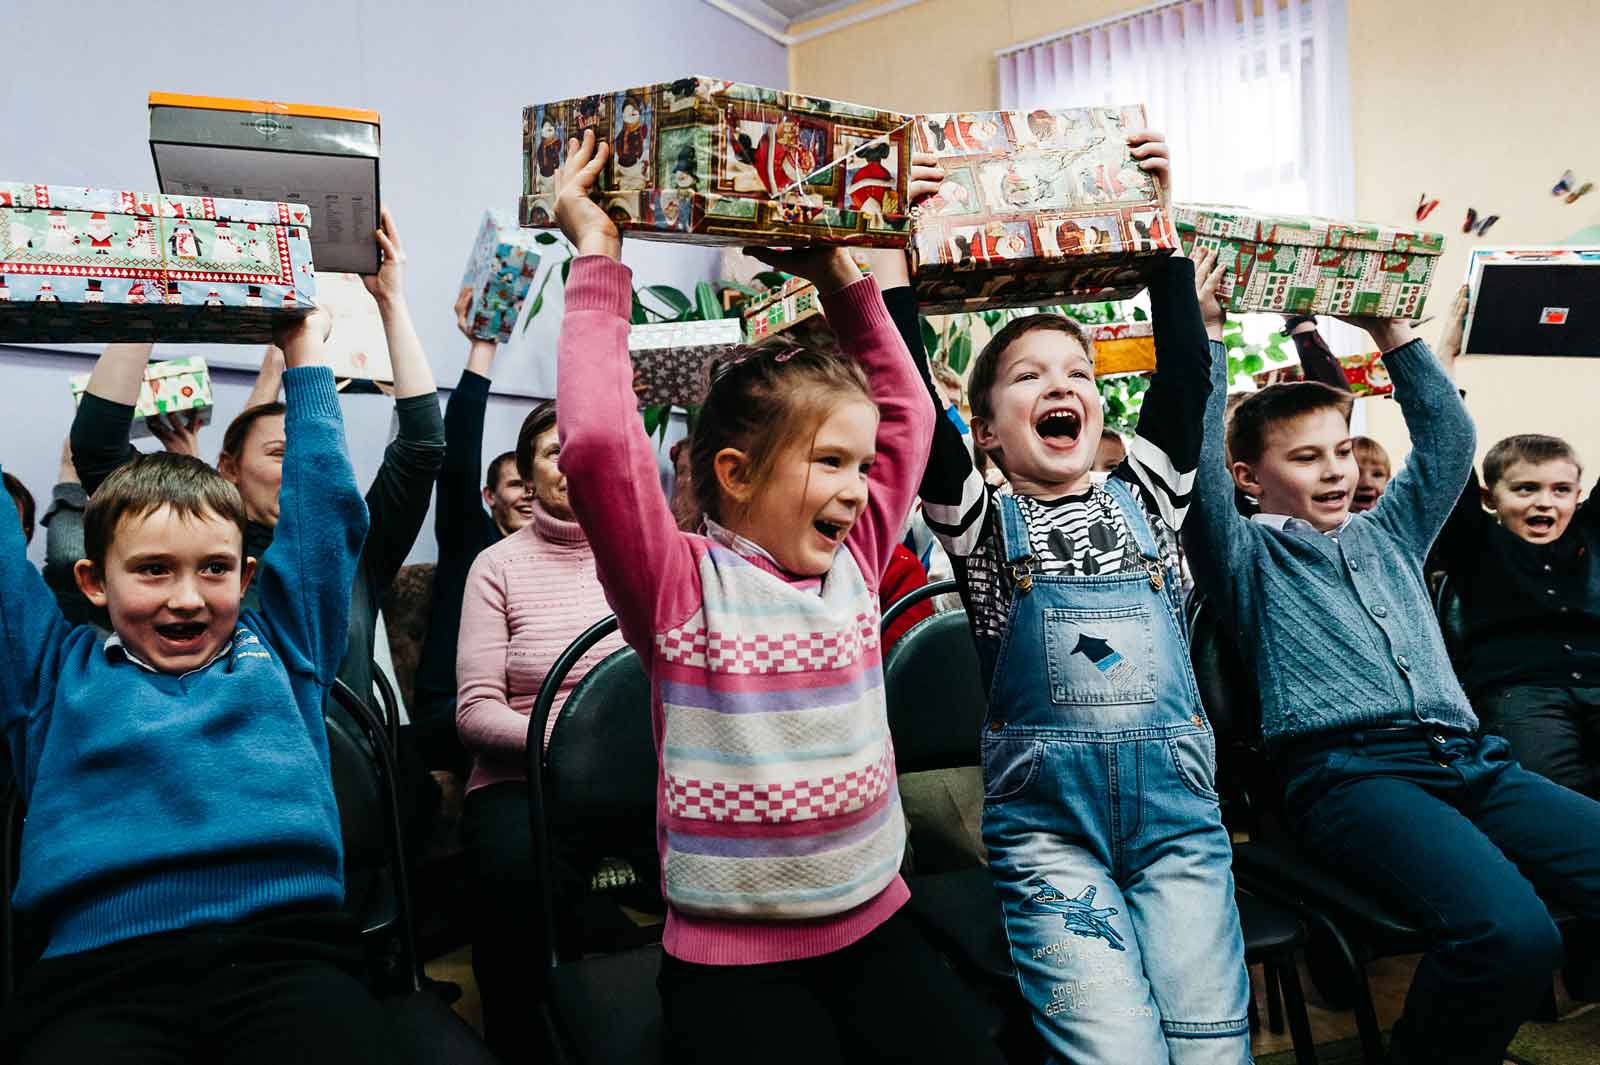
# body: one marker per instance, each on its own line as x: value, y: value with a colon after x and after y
x: 488, y: 498
x: 247, y: 573
x: 91, y: 582
x: 983, y: 434
x: 1244, y: 478
x: 733, y: 474
x: 1486, y: 497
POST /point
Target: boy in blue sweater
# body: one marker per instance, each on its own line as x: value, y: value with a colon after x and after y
x: 182, y: 851
x: 1388, y: 781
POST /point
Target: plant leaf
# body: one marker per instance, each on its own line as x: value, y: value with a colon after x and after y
x: 930, y: 337
x: 706, y: 302
x: 960, y: 353
x: 640, y: 314
x: 545, y: 238
x: 538, y: 297
x: 671, y: 297
x: 654, y: 417
x: 771, y: 278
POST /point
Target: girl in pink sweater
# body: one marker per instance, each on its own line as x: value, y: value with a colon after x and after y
x: 527, y: 598
x: 778, y: 818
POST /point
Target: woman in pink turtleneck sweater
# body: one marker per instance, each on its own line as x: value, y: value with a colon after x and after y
x: 527, y: 598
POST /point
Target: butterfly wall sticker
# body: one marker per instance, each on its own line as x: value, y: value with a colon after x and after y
x: 1567, y: 185
x: 1425, y: 207
x: 1479, y: 226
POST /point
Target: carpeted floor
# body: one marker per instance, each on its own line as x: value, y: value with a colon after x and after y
x: 1574, y: 1040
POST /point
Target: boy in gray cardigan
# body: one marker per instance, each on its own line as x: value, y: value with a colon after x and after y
x: 1388, y: 780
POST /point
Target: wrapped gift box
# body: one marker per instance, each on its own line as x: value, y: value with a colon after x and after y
x: 1036, y: 208
x: 707, y: 161
x: 1366, y: 373
x: 787, y: 306
x: 499, y: 272
x: 170, y: 387
x: 358, y: 347
x: 99, y: 265
x: 326, y: 157
x: 1122, y: 348
x: 1296, y: 264
x: 1534, y: 301
x: 672, y: 360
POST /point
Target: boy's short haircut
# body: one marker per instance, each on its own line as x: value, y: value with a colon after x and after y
x: 239, y: 429
x: 1260, y: 411
x: 497, y: 469
x: 26, y: 506
x: 149, y: 482
x: 986, y: 367
x: 539, y: 421
x: 1367, y: 449
x: 1526, y: 447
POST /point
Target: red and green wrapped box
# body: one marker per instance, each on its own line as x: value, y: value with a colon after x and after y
x: 1298, y: 264
x: 176, y: 386
x: 707, y: 161
x: 102, y: 265
x: 789, y: 305
x: 1037, y: 207
x: 1366, y: 375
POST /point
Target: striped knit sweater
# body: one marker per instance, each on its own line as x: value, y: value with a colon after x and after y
x: 778, y: 818
x: 527, y: 597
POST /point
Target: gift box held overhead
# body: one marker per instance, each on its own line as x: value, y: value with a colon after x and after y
x: 781, y: 309
x: 1366, y: 374
x: 264, y: 150
x: 1036, y: 208
x: 672, y: 360
x: 1297, y: 264
x: 101, y: 265
x: 706, y: 161
x: 176, y: 386
x: 1122, y: 348
x: 499, y: 274
x: 1534, y: 301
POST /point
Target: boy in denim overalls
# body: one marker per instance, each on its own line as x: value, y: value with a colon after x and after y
x: 1100, y: 815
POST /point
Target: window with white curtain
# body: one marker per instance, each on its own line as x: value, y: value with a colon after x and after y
x: 1253, y: 95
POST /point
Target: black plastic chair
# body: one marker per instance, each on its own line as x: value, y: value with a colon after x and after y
x: 389, y: 701
x: 595, y: 782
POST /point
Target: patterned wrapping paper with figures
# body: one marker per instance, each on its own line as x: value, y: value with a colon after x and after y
x: 499, y: 272
x: 170, y: 387
x: 1298, y: 264
x: 706, y: 161
x: 1366, y: 374
x: 1036, y: 208
x: 672, y: 360
x: 99, y: 265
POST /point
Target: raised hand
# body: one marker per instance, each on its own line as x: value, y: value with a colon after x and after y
x: 829, y: 268
x: 1150, y: 148
x: 178, y: 432
x: 389, y: 283
x: 586, y: 226
x: 1208, y: 275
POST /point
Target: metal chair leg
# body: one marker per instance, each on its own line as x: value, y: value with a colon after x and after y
x: 1294, y: 1007
x: 1274, y: 1000
x: 1372, y: 1052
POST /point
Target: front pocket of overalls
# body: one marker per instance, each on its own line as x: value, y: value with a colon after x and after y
x: 1009, y: 766
x: 1195, y: 762
x: 1100, y: 657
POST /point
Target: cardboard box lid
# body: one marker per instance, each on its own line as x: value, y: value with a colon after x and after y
x: 1241, y: 223
x: 719, y: 331
x: 152, y: 204
x: 292, y: 127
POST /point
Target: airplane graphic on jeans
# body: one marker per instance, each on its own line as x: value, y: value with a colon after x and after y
x: 1079, y: 914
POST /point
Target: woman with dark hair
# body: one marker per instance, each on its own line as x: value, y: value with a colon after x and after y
x: 527, y: 598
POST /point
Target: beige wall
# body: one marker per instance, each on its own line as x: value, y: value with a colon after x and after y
x: 1468, y: 100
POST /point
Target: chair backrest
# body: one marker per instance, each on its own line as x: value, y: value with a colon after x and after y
x: 389, y: 700
x: 934, y: 690
x: 1452, y: 617
x: 1228, y: 690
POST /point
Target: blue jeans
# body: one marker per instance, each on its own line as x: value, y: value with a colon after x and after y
x: 1450, y: 830
x: 1101, y: 819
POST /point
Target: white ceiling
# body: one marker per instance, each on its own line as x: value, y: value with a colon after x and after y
x: 781, y: 14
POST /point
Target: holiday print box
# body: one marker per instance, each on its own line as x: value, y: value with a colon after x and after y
x: 1297, y: 264
x: 1366, y: 375
x: 1036, y: 208
x: 672, y: 360
x: 98, y: 265
x: 1123, y: 348
x: 172, y: 387
x: 794, y: 302
x: 707, y: 161
x: 499, y: 273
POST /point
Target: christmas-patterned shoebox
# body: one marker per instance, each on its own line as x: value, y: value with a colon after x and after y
x: 1366, y: 374
x: 1298, y: 264
x: 499, y: 272
x: 672, y: 360
x: 326, y: 157
x: 778, y: 310
x: 100, y: 265
x: 1036, y: 208
x: 170, y: 387
x: 707, y: 161
x: 1122, y: 348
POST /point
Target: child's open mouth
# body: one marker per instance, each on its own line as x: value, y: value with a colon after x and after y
x: 182, y: 634
x: 1059, y: 428
x: 830, y: 530
x: 1330, y: 499
x: 1365, y: 497
x: 1541, y: 523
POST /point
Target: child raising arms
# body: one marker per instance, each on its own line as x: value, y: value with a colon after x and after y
x: 778, y: 817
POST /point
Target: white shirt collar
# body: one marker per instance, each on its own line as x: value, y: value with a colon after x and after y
x: 1286, y: 523
x: 114, y: 643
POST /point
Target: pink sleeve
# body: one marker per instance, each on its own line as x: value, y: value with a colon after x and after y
x: 484, y: 718
x: 643, y: 561
x: 905, y: 427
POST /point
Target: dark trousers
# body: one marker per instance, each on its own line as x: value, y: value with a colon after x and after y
x: 1451, y: 831
x: 276, y: 991
x: 1554, y: 732
x: 885, y: 998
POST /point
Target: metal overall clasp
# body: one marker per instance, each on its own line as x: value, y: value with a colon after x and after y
x: 1022, y: 575
x: 1152, y: 568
